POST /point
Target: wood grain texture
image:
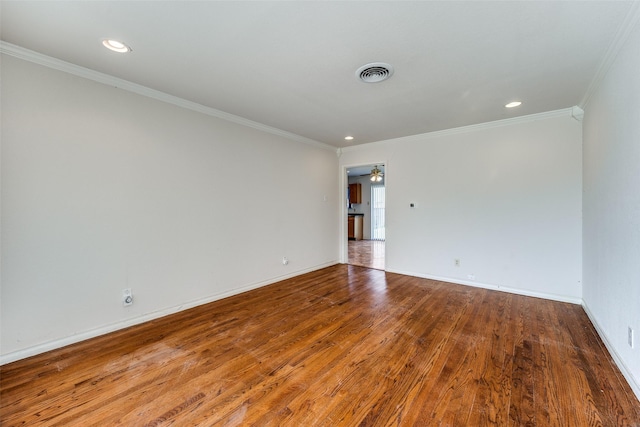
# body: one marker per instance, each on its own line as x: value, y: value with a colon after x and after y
x: 342, y: 346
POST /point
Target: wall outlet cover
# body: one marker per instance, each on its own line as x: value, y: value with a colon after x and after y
x: 127, y: 297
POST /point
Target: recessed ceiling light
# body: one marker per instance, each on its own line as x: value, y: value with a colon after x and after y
x: 513, y: 104
x: 348, y: 138
x: 116, y: 46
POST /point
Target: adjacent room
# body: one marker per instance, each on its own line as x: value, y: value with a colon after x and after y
x: 320, y: 213
x: 366, y: 197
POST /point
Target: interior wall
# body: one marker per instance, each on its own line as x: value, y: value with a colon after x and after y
x: 504, y: 199
x: 612, y: 208
x: 103, y: 190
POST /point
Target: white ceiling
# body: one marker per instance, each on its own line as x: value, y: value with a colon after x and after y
x: 291, y: 65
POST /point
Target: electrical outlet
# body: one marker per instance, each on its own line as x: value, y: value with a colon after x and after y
x: 471, y: 276
x: 456, y: 262
x: 285, y: 260
x: 630, y: 336
x: 127, y: 297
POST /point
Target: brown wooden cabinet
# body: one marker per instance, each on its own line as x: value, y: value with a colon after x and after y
x: 355, y: 228
x: 351, y: 227
x: 355, y: 193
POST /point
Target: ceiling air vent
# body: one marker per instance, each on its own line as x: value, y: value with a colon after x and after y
x: 374, y: 72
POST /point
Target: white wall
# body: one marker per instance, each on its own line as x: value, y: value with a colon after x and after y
x: 103, y: 189
x: 612, y: 208
x: 503, y: 198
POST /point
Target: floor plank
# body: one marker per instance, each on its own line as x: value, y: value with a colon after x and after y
x: 367, y: 253
x: 342, y: 346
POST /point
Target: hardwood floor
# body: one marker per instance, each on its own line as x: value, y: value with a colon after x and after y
x: 342, y: 346
x: 367, y: 253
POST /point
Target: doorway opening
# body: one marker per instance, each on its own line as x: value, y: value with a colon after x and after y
x: 366, y: 217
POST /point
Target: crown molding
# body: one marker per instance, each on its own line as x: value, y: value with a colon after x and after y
x: 565, y: 112
x: 76, y: 70
x: 631, y: 20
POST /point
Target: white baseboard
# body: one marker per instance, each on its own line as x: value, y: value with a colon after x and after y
x: 59, y: 343
x: 517, y: 291
x: 55, y: 344
x: 633, y: 383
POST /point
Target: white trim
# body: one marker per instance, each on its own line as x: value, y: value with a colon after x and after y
x: 53, y: 345
x: 614, y: 354
x: 565, y: 112
x: 517, y: 291
x: 76, y: 70
x: 577, y: 113
x: 627, y: 26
